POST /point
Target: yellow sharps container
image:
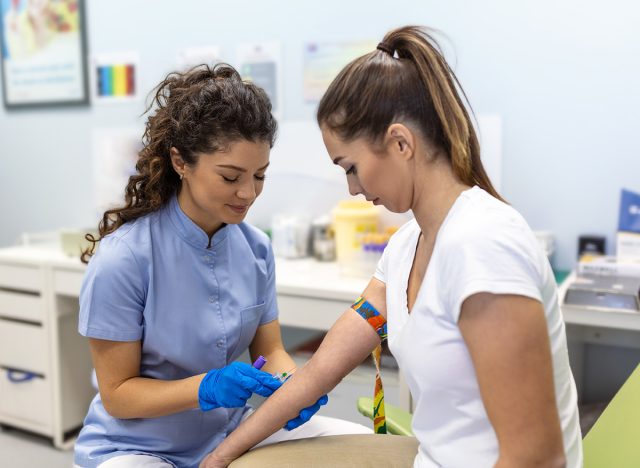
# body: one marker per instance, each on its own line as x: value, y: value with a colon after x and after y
x: 351, y: 220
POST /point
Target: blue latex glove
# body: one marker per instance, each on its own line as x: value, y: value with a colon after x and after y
x: 232, y: 385
x: 306, y: 413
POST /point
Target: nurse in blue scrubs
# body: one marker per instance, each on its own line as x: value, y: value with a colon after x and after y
x: 180, y: 286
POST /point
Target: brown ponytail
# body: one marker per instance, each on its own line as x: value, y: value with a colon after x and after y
x: 407, y: 78
x: 202, y: 110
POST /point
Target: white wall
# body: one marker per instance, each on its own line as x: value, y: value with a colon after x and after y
x: 562, y: 74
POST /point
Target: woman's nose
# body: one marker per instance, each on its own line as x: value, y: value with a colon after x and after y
x: 247, y: 192
x: 354, y: 187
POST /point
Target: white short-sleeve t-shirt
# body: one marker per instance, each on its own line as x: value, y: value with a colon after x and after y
x: 483, y: 245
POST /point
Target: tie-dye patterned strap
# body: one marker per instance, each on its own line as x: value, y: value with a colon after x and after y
x: 372, y: 316
x: 379, y: 419
x: 379, y: 324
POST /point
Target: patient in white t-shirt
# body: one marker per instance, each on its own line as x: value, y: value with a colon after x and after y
x: 469, y: 297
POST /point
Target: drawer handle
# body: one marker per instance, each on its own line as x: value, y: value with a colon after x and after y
x: 17, y: 376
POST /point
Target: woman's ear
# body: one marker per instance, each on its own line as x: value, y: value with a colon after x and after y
x: 177, y: 162
x: 401, y: 141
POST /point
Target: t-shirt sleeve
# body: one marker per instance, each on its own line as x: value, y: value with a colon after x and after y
x: 502, y: 261
x: 112, y: 297
x: 271, y: 303
x: 382, y: 266
x: 394, y: 250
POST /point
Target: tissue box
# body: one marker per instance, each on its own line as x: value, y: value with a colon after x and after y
x: 628, y: 245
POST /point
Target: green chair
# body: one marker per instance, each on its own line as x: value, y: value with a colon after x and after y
x: 398, y: 420
x: 614, y: 440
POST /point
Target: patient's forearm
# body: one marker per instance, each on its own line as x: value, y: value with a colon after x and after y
x: 346, y: 345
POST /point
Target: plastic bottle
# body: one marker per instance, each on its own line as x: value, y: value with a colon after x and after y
x: 351, y: 220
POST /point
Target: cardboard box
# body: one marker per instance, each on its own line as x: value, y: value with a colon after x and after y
x: 606, y: 265
x: 628, y: 245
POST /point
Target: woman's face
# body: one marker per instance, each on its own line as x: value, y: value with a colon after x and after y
x: 221, y: 186
x: 381, y: 178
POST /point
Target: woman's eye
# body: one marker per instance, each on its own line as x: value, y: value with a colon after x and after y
x: 260, y: 177
x: 351, y: 170
x: 230, y: 181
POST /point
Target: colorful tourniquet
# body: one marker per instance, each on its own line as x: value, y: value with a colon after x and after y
x: 379, y: 324
x: 379, y: 419
x: 371, y: 315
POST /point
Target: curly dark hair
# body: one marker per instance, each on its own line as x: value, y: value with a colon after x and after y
x: 202, y: 110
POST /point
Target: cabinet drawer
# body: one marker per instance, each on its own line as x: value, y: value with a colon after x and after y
x: 20, y: 277
x: 21, y: 306
x: 23, y: 346
x: 28, y: 400
x: 67, y: 282
x: 309, y: 312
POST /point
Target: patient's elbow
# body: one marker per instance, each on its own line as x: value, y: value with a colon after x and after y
x: 550, y: 459
x: 113, y: 407
x: 110, y: 408
x: 558, y: 460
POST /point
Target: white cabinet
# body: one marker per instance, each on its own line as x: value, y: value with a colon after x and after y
x: 45, y: 366
x: 21, y: 305
x: 23, y: 346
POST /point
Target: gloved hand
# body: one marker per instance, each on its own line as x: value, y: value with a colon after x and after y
x: 232, y: 385
x: 306, y: 413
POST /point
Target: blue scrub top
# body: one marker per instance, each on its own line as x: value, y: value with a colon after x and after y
x: 194, y: 306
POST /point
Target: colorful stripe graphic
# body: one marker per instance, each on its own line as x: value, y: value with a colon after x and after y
x: 115, y: 80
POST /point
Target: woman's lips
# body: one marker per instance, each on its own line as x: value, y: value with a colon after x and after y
x: 239, y: 208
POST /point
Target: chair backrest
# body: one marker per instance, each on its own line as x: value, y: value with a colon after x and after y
x: 398, y: 420
x: 614, y: 440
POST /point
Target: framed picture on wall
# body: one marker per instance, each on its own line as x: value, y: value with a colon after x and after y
x: 43, y: 46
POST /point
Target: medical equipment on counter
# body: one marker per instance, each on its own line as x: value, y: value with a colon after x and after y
x: 628, y: 245
x: 323, y: 243
x: 372, y: 244
x: 606, y: 265
x: 352, y: 219
x: 290, y: 236
x: 604, y: 292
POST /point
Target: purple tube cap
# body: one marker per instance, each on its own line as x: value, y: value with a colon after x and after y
x: 261, y: 361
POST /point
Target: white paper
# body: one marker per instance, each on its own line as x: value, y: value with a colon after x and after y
x: 323, y: 62
x: 261, y: 62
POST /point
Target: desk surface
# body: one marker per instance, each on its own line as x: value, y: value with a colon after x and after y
x: 577, y: 315
x: 322, y: 280
x: 34, y: 255
x: 300, y: 277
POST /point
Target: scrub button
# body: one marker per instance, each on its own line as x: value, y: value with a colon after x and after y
x: 220, y: 343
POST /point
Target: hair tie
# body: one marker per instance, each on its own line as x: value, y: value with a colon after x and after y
x: 385, y: 48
